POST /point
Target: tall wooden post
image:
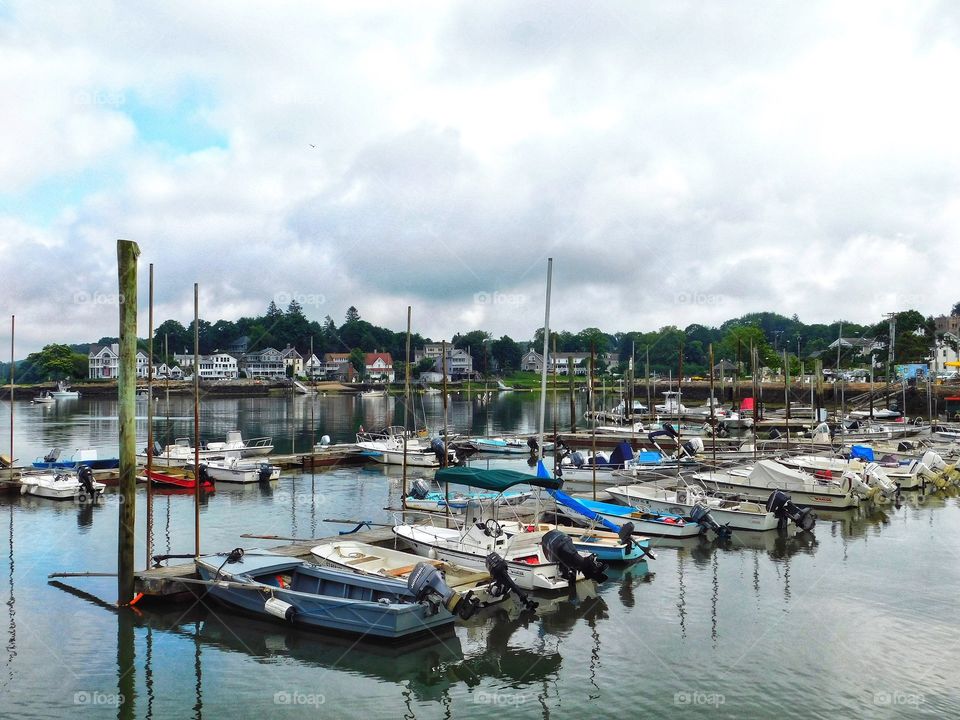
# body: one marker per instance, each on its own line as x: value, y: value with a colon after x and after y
x: 13, y: 327
x: 406, y: 404
x: 573, y: 402
x: 127, y: 253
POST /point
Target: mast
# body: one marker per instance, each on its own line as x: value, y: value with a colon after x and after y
x: 546, y: 350
x: 13, y: 323
x: 406, y: 404
x: 593, y: 432
x: 150, y: 425
x: 713, y: 417
x: 196, y: 418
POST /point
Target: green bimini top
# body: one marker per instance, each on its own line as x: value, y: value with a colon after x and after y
x: 496, y: 480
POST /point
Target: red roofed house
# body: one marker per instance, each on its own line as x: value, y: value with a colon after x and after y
x: 379, y: 366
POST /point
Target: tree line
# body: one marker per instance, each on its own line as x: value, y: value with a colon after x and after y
x: 770, y: 333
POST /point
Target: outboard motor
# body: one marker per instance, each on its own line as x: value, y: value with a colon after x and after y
x: 427, y: 584
x: 700, y: 514
x: 419, y: 489
x: 577, y: 459
x: 532, y: 444
x: 157, y: 448
x: 822, y: 433
x: 503, y: 583
x: 692, y: 447
x: 626, y: 538
x: 203, y: 475
x: 781, y: 505
x: 264, y: 472
x: 858, y: 487
x: 85, y: 476
x: 880, y: 480
x: 558, y: 547
x: 325, y: 440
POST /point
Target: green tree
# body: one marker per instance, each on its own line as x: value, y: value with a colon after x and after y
x: 507, y: 353
x: 352, y: 315
x: 54, y: 362
x: 358, y: 360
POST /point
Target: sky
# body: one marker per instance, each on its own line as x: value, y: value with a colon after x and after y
x: 681, y: 162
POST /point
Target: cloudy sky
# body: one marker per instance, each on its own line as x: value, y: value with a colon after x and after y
x: 681, y: 162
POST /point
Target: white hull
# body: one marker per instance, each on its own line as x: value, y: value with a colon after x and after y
x: 768, y: 476
x: 440, y: 544
x: 56, y: 487
x: 735, y: 519
x: 645, y: 527
x: 239, y: 474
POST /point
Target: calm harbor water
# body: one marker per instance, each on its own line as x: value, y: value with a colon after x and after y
x: 857, y: 620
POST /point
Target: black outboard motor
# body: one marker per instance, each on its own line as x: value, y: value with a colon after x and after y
x: 577, y: 459
x: 427, y: 584
x: 532, y: 444
x: 85, y: 476
x: 780, y: 504
x: 626, y: 538
x: 419, y: 489
x: 264, y: 472
x: 503, y: 583
x: 701, y: 515
x: 202, y: 474
x: 558, y: 547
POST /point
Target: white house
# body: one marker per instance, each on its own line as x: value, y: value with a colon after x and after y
x: 379, y: 366
x: 943, y: 352
x: 313, y: 367
x: 266, y: 363
x: 459, y: 360
x: 216, y: 366
x: 103, y: 362
x: 292, y: 359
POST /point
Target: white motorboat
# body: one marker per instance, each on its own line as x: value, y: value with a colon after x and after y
x: 469, y: 547
x: 44, y: 398
x: 757, y: 482
x: 63, y: 392
x: 181, y: 452
x: 234, y: 469
x: 500, y: 446
x: 373, y: 393
x: 671, y: 404
x: 62, y: 485
x: 908, y: 475
x: 735, y: 514
x: 385, y: 562
x: 390, y: 451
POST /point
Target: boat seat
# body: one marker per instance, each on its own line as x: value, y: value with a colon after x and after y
x: 52, y: 455
x: 357, y: 561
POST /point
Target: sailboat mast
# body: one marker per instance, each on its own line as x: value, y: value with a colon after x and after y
x: 546, y: 350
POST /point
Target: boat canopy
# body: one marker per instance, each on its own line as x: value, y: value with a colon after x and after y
x: 497, y: 480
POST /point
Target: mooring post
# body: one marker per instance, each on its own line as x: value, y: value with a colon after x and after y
x: 127, y: 252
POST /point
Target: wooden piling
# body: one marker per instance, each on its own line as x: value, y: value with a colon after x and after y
x: 127, y: 253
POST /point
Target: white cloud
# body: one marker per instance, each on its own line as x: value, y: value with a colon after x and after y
x: 681, y: 163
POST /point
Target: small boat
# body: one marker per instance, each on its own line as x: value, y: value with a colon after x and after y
x: 501, y: 446
x: 421, y: 497
x: 386, y: 562
x: 235, y: 470
x: 44, y: 398
x: 610, y: 547
x: 286, y: 589
x: 181, y: 452
x: 373, y: 393
x: 84, y: 456
x: 63, y: 392
x: 534, y: 560
x: 178, y: 481
x: 79, y: 486
x: 735, y: 514
x: 389, y: 449
x: 644, y: 522
x: 757, y: 482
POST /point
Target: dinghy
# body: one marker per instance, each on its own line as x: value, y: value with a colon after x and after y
x: 62, y: 485
x: 236, y: 470
x: 290, y: 590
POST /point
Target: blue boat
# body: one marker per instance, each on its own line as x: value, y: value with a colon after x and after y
x: 421, y: 497
x: 86, y: 456
x: 286, y: 589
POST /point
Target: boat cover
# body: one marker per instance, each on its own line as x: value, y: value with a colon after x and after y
x: 497, y: 480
